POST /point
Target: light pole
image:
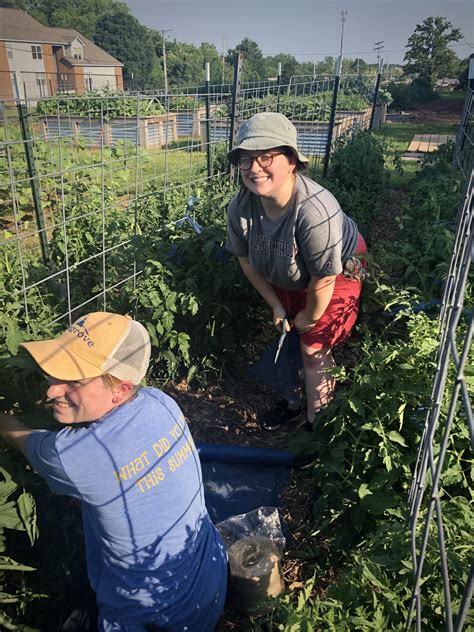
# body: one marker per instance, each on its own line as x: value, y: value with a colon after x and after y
x: 339, y: 60
x: 332, y: 116
x: 343, y: 20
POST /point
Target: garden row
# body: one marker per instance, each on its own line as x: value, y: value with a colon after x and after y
x: 107, y: 106
x: 367, y: 440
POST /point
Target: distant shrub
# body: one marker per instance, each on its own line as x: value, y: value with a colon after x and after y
x: 407, y: 96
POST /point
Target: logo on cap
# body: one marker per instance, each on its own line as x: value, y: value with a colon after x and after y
x: 80, y: 323
x: 81, y: 333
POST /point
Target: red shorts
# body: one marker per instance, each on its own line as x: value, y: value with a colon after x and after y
x: 340, y: 315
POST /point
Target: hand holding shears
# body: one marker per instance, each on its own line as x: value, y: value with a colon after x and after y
x: 285, y: 327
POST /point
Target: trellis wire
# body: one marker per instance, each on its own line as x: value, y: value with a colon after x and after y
x: 456, y: 333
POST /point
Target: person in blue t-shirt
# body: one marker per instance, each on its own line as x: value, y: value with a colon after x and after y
x: 154, y: 558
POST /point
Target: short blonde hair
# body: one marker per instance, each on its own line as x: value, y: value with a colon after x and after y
x: 111, y: 381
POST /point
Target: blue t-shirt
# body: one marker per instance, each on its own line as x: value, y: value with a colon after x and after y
x: 153, y: 555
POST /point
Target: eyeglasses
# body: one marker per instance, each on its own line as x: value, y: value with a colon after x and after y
x: 263, y: 160
x: 68, y: 383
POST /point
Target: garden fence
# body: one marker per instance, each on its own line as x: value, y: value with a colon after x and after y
x: 80, y: 165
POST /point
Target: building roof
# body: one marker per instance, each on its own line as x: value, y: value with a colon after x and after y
x: 18, y: 26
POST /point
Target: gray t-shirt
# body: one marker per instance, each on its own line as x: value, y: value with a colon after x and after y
x: 314, y: 238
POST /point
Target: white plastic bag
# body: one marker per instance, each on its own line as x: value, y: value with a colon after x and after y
x: 263, y: 522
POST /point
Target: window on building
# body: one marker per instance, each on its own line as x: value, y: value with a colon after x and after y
x: 77, y: 52
x: 9, y: 51
x: 41, y: 84
x: 36, y: 52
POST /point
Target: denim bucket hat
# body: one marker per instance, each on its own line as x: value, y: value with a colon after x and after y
x: 265, y: 131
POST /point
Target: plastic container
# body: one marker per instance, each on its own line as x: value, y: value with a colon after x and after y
x: 255, y: 573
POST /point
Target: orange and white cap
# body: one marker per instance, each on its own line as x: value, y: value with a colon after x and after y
x: 94, y: 345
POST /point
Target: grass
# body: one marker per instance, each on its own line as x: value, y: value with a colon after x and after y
x: 452, y: 96
x: 398, y: 137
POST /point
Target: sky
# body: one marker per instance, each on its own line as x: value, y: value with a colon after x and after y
x: 309, y: 30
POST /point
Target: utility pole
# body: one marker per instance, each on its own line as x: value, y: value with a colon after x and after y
x: 378, y: 47
x: 163, y: 45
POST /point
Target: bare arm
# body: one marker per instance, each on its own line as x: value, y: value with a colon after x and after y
x: 265, y: 289
x: 13, y: 431
x: 320, y: 292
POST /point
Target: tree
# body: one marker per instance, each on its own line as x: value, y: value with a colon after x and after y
x: 428, y: 54
x: 326, y: 67
x: 356, y: 66
x: 220, y: 69
x: 81, y: 15
x: 289, y: 66
x: 123, y: 37
x: 253, y: 67
x: 185, y: 64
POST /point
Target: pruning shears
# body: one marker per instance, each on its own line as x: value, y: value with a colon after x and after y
x: 282, y: 338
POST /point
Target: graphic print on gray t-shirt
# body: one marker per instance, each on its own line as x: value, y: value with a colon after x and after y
x: 314, y: 238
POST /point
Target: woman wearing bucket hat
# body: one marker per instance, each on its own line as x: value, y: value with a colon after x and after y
x: 299, y: 250
x: 154, y: 558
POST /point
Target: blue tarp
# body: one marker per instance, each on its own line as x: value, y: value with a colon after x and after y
x: 239, y: 479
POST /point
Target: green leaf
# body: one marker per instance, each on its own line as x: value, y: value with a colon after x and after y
x: 9, y: 518
x: 363, y: 490
x: 152, y: 332
x: 396, y: 437
x: 7, y: 564
x: 356, y: 405
x: 379, y: 502
x: 13, y: 338
x: 6, y: 488
x: 371, y: 577
x: 6, y: 598
x: 27, y: 509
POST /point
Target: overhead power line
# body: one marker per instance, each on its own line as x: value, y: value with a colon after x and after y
x: 354, y: 52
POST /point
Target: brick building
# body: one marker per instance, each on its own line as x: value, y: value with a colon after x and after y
x: 38, y: 61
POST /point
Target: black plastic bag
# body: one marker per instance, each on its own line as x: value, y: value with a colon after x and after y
x: 286, y: 375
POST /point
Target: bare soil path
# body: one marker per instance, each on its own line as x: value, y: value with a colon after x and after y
x: 439, y: 111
